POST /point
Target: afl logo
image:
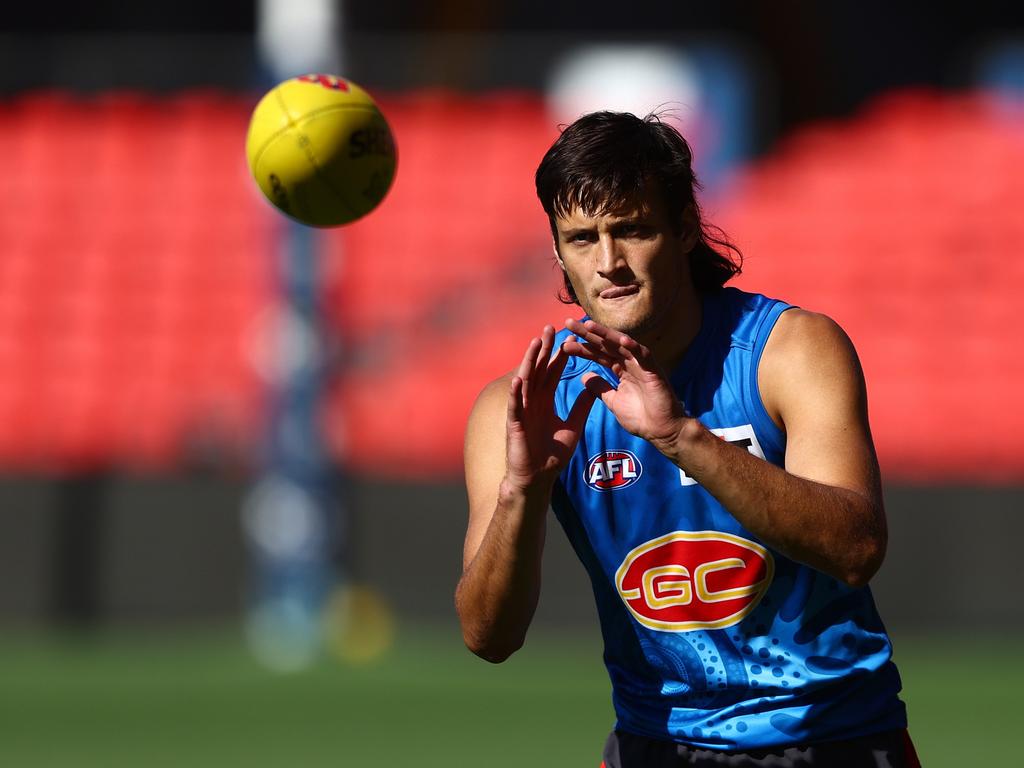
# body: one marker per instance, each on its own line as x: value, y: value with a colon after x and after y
x: 612, y: 470
x: 689, y: 580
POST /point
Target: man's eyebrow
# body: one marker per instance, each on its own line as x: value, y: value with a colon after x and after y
x: 629, y: 220
x: 572, y: 231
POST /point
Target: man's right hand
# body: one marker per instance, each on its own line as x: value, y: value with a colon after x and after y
x: 538, y: 443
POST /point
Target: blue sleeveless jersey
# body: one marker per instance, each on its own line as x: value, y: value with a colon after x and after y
x: 711, y: 637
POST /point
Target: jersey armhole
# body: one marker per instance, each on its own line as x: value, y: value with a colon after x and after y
x: 763, y: 423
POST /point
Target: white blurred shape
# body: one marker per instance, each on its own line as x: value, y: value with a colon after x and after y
x: 625, y: 78
x: 282, y: 519
x: 282, y: 344
x: 298, y: 36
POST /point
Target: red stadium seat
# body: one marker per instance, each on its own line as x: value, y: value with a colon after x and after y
x: 134, y: 242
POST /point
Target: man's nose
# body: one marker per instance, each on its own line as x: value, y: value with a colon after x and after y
x: 610, y: 257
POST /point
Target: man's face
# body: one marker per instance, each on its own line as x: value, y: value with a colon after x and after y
x: 629, y: 268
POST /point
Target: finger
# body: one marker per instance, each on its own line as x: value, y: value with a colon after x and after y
x: 614, y: 343
x: 527, y: 365
x: 585, y: 330
x: 514, y: 408
x: 589, y: 352
x: 577, y: 417
x: 609, y: 351
x: 596, y: 385
x: 606, y: 357
x: 621, y: 344
x: 631, y: 348
x: 618, y: 346
x: 556, y: 366
x: 529, y: 358
x: 586, y: 326
x: 595, y: 332
x: 638, y: 359
x: 547, y: 340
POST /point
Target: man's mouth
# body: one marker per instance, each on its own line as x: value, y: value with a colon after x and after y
x: 619, y: 291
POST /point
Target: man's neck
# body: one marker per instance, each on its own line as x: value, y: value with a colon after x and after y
x: 672, y: 337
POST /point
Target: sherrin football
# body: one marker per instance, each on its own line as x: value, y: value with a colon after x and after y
x: 320, y: 150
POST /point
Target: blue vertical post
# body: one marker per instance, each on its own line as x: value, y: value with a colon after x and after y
x: 291, y: 516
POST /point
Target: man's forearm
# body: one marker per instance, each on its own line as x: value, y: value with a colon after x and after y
x: 835, y: 530
x: 498, y: 592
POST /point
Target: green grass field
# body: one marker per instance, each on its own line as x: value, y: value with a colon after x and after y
x: 199, y: 700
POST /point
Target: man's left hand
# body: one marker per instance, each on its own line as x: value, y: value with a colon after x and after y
x: 643, y: 402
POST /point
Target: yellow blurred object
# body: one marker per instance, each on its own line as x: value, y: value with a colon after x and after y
x: 320, y: 150
x: 359, y: 625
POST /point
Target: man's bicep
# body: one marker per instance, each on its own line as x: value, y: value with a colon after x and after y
x: 484, y: 458
x: 811, y: 378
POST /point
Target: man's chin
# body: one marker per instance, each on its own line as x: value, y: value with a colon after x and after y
x: 624, y: 322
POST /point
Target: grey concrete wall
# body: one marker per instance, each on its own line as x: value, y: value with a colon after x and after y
x: 170, y: 549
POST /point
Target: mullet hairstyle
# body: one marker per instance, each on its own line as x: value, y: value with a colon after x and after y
x: 605, y: 161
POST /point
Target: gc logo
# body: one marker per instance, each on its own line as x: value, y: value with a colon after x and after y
x: 689, y: 580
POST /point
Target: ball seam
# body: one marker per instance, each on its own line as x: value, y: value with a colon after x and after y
x: 308, y: 147
x: 293, y: 124
x: 311, y: 156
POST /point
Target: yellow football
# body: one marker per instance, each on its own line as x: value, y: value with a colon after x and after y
x: 320, y: 150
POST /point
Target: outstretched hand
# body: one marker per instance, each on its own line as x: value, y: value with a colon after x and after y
x: 539, y: 444
x: 643, y: 403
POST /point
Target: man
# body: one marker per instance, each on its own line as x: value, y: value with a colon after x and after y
x: 708, y: 453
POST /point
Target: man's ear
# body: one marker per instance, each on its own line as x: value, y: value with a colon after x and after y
x: 558, y: 256
x: 691, y: 227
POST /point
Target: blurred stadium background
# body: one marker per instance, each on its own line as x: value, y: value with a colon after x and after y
x: 231, y: 509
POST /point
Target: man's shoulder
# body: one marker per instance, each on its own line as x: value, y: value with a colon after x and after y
x: 484, y: 433
x: 806, y: 347
x: 800, y: 331
x: 493, y: 391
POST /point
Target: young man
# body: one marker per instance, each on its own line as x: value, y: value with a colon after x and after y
x: 707, y: 452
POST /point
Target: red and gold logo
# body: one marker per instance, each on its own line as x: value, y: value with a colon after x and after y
x: 689, y: 580
x: 333, y: 82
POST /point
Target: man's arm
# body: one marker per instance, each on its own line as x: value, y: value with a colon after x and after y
x: 515, y: 448
x: 825, y: 508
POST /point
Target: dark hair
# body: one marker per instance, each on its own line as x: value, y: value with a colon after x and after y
x: 607, y: 160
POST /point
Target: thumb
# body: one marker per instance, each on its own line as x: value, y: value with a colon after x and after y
x: 581, y: 408
x: 596, y: 385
